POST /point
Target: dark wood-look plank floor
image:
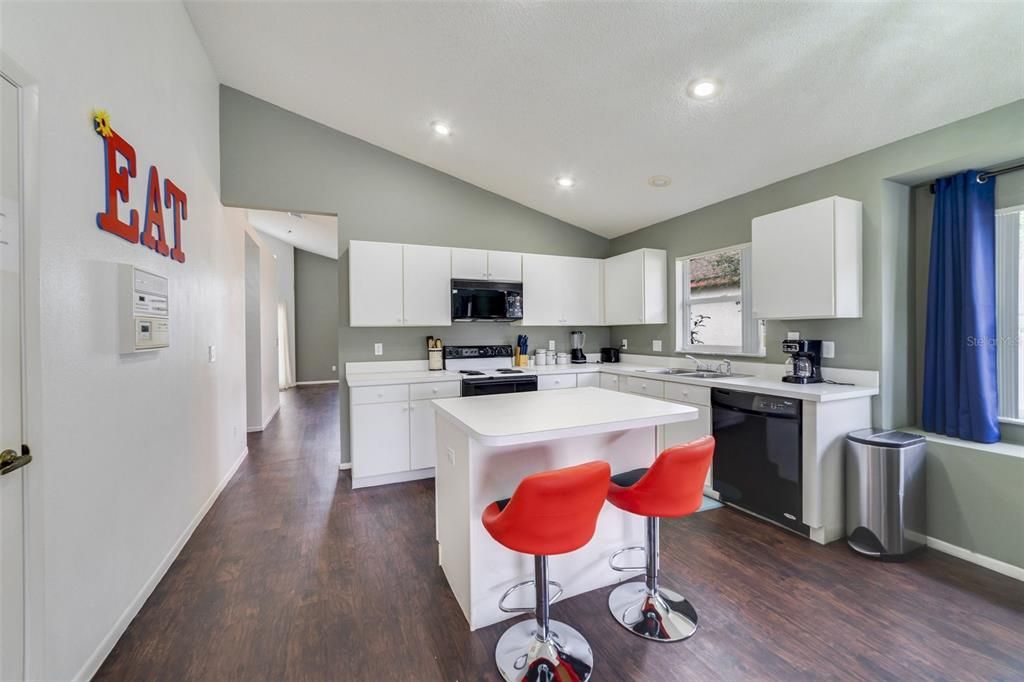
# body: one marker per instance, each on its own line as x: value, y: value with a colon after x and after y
x: 294, y: 576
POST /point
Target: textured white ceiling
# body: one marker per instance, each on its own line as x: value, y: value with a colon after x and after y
x: 314, y: 233
x: 597, y: 90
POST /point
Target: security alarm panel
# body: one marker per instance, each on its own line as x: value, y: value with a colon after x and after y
x: 145, y: 321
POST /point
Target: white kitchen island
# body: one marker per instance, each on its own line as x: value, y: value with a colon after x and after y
x: 487, y: 444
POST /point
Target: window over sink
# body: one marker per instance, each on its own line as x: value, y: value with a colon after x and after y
x: 1010, y: 311
x: 714, y: 304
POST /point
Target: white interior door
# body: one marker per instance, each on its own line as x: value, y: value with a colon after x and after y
x: 12, y: 473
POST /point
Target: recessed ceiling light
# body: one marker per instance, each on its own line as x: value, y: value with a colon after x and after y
x: 565, y: 181
x: 703, y: 88
x: 659, y: 181
x: 441, y: 128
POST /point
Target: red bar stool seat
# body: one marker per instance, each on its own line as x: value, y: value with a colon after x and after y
x: 553, y: 512
x: 673, y: 486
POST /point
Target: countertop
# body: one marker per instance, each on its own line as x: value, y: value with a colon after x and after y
x: 776, y: 387
x: 517, y: 418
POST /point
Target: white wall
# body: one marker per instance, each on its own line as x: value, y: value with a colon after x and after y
x: 129, y: 449
x: 284, y: 262
x: 263, y: 396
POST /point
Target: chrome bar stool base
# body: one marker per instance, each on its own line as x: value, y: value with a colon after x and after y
x: 664, y: 616
x: 521, y: 656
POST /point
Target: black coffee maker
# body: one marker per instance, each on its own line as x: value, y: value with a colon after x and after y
x: 806, y: 359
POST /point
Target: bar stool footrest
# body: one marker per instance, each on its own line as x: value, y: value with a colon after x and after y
x: 627, y: 569
x: 527, y: 609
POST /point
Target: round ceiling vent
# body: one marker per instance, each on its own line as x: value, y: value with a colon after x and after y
x: 659, y: 181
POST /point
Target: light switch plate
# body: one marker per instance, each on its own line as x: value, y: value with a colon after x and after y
x: 828, y: 349
x: 211, y: 353
x: 625, y: 344
x: 334, y: 368
x: 378, y: 349
x: 792, y: 336
x: 551, y: 344
x: 656, y: 345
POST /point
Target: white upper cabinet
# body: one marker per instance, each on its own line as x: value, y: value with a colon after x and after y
x: 806, y: 261
x: 560, y: 290
x: 505, y: 266
x: 375, y: 284
x: 500, y: 266
x: 636, y: 288
x: 395, y: 285
x: 469, y: 264
x: 427, y: 286
x: 542, y: 282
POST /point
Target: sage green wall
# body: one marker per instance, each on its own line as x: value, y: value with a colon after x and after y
x: 316, y: 317
x: 274, y: 159
x: 879, y: 178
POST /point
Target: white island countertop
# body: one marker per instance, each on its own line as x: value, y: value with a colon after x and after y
x: 517, y: 418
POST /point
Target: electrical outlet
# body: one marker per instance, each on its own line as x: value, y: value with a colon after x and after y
x: 551, y: 344
x: 211, y: 353
x: 656, y: 345
x: 828, y: 349
x: 378, y: 349
x: 334, y: 368
x: 625, y: 344
x: 792, y: 336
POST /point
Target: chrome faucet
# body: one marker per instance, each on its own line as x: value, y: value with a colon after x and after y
x: 700, y: 367
x: 727, y: 364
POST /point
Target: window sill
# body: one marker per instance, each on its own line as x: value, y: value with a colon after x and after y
x: 1000, y: 448
x: 1011, y: 420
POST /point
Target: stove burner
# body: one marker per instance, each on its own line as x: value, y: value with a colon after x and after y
x: 471, y: 372
x: 510, y: 371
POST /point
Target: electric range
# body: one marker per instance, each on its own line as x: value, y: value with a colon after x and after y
x: 488, y: 369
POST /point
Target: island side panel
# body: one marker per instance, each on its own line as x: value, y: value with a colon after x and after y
x: 494, y: 474
x: 452, y: 509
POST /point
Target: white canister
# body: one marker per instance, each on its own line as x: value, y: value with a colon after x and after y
x: 541, y: 357
x: 563, y: 359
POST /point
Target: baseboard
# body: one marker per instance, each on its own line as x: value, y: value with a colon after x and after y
x: 345, y: 466
x: 315, y: 383
x: 92, y: 665
x: 257, y: 429
x: 988, y: 562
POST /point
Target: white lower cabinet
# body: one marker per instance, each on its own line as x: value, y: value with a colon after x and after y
x: 610, y: 381
x: 380, y: 439
x: 422, y: 438
x: 649, y: 387
x: 684, y: 432
x: 588, y: 379
x: 393, y: 431
x: 553, y: 381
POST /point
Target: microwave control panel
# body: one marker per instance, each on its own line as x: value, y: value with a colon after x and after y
x: 145, y: 319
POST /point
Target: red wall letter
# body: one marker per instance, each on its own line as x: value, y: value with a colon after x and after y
x: 176, y: 200
x: 154, y: 215
x: 117, y: 185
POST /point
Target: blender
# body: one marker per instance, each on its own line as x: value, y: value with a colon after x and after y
x: 576, y: 341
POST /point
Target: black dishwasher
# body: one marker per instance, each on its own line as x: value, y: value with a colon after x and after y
x: 757, y: 464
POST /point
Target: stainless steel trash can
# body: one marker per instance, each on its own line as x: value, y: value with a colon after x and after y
x: 885, y: 493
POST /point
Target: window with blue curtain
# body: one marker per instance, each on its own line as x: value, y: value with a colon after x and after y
x: 960, y: 375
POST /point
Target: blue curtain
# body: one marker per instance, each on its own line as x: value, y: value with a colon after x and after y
x: 960, y: 397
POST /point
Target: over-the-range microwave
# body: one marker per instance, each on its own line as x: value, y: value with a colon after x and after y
x: 481, y: 300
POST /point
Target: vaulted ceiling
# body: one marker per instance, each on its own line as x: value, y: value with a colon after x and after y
x: 598, y: 91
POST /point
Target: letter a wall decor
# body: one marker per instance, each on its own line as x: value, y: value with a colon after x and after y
x: 119, y: 159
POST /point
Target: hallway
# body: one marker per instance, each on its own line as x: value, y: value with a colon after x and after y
x: 293, y: 576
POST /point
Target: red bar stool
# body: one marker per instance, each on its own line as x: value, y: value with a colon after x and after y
x: 673, y: 486
x: 553, y: 512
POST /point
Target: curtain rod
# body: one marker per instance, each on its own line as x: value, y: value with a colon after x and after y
x: 985, y: 175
